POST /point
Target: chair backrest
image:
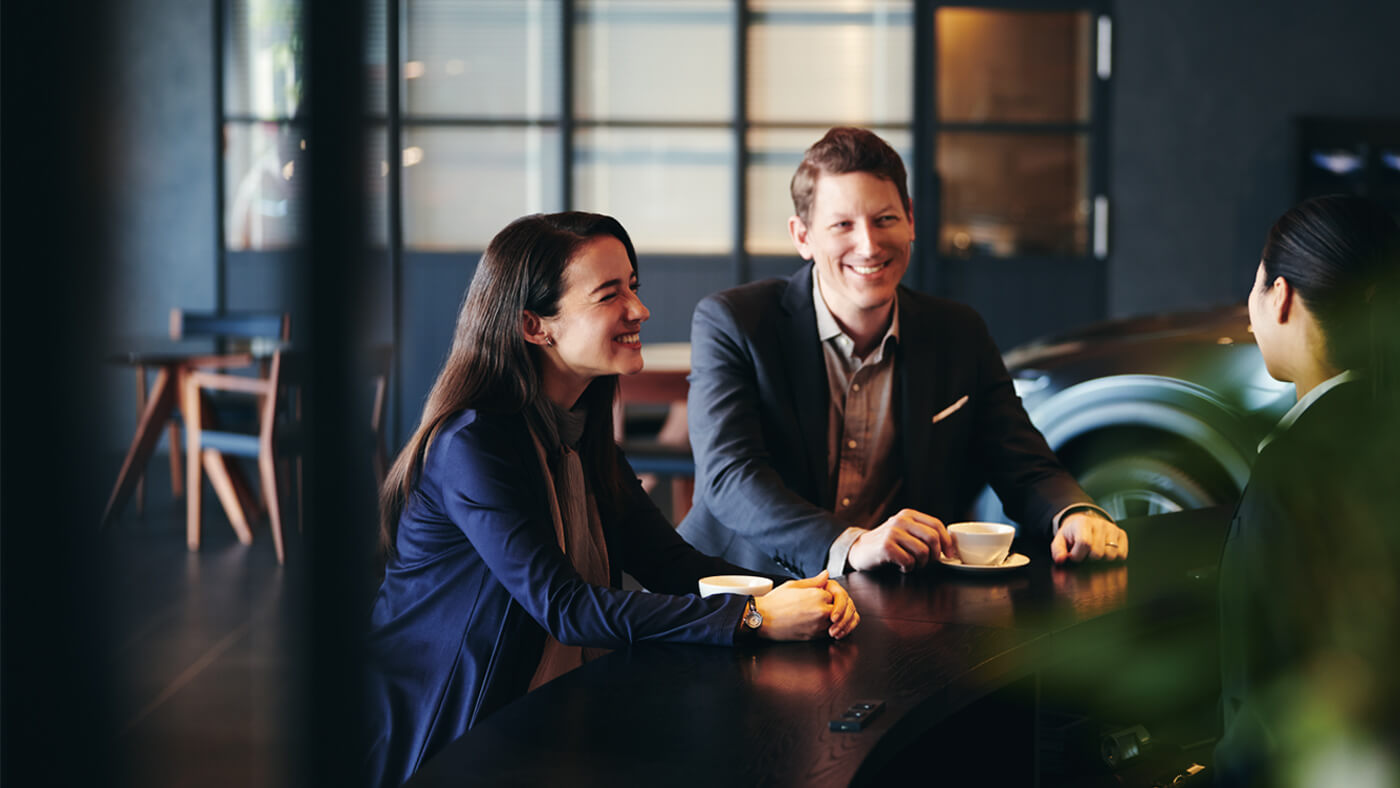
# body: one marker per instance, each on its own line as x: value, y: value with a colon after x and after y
x: 242, y: 325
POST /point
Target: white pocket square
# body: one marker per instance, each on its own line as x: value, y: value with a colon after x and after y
x: 950, y: 410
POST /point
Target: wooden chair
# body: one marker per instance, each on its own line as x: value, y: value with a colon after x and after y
x: 667, y: 454
x: 381, y: 363
x: 248, y: 329
x: 278, y: 435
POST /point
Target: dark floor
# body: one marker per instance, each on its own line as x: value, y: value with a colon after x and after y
x: 202, y: 653
x: 200, y: 678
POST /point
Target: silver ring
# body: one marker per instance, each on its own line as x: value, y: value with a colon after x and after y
x: 1111, y: 544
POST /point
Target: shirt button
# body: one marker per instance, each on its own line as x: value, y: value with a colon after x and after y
x: 855, y: 387
x: 850, y: 444
x: 845, y: 501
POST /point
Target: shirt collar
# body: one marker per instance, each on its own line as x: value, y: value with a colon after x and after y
x: 1306, y: 402
x: 828, y: 328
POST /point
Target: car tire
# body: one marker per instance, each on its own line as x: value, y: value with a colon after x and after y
x: 1136, y: 484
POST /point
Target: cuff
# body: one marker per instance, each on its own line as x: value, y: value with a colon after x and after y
x: 1077, y: 507
x: 840, y: 549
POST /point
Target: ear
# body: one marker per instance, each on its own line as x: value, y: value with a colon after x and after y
x: 1281, y: 295
x: 798, y: 230
x: 533, y: 329
x: 909, y: 213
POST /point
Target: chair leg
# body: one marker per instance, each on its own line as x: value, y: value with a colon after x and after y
x: 219, y: 476
x: 177, y: 480
x: 252, y: 505
x: 193, y: 487
x: 267, y: 465
x: 140, y: 409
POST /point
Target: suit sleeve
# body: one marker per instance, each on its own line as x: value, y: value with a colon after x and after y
x: 1027, y: 476
x: 735, y: 475
x: 486, y: 495
x: 654, y: 553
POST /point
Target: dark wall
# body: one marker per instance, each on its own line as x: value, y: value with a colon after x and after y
x: 1203, y: 139
x: 160, y: 101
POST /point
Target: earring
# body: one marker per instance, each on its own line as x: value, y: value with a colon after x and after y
x: 549, y: 341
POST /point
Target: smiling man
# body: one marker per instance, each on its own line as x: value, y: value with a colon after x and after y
x: 839, y: 420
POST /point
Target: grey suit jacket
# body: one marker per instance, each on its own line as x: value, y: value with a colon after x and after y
x: 758, y: 422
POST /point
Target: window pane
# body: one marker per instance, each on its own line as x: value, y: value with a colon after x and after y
x: 831, y: 62
x: 670, y: 188
x: 461, y: 186
x: 262, y: 185
x: 1013, y: 66
x: 1013, y: 194
x: 639, y: 60
x: 485, y: 58
x: 376, y: 57
x: 262, y: 73
x: 377, y: 185
x: 773, y: 157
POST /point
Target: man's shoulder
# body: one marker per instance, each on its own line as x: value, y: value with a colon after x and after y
x: 761, y: 292
x: 935, y: 309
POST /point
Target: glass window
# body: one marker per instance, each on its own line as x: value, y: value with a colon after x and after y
x: 485, y: 58
x: 1013, y: 194
x: 829, y: 61
x: 1013, y: 66
x: 648, y: 61
x: 462, y: 185
x: 670, y: 188
x: 262, y: 73
x: 263, y: 185
x: 773, y: 157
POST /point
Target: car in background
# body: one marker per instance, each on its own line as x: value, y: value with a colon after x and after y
x: 1151, y: 414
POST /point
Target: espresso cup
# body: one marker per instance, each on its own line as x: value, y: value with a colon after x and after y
x: 982, y: 544
x: 748, y: 585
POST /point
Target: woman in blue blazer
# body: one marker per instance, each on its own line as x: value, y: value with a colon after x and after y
x: 1310, y: 574
x: 510, y: 515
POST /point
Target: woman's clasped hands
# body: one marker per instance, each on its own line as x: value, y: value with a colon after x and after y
x: 802, y: 609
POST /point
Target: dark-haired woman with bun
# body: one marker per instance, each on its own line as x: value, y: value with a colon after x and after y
x: 510, y: 514
x: 1310, y: 574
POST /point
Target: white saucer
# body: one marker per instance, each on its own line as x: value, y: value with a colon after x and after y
x: 1014, y: 561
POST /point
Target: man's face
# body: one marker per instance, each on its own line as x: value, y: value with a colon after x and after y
x: 858, y: 237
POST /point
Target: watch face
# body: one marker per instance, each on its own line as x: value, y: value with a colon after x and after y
x: 752, y: 618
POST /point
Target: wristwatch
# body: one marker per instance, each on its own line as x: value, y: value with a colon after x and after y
x: 752, y: 618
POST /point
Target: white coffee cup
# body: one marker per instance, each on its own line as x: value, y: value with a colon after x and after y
x: 748, y: 585
x: 982, y: 544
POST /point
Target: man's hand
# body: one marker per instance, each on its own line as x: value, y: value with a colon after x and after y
x: 1088, y: 534
x: 907, y: 540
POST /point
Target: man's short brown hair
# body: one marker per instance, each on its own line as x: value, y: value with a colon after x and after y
x: 846, y: 149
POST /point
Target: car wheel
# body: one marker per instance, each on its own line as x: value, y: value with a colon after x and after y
x: 1134, y: 485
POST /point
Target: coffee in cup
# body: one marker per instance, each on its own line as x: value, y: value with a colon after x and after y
x: 982, y: 544
x: 748, y: 585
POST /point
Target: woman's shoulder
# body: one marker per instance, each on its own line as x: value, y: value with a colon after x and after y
x: 473, y: 434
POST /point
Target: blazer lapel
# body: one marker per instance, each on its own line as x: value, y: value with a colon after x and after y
x: 920, y: 357
x: 806, y: 371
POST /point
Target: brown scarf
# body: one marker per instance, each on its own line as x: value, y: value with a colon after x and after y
x: 580, y: 535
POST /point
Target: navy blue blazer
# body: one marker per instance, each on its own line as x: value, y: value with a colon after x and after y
x: 758, y: 421
x: 459, y: 623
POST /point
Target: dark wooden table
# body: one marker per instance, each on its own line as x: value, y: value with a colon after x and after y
x: 959, y: 660
x: 170, y: 360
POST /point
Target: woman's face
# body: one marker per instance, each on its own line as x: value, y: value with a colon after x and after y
x: 596, y: 330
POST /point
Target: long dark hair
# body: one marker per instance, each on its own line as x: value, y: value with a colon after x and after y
x: 1342, y: 254
x: 492, y: 368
